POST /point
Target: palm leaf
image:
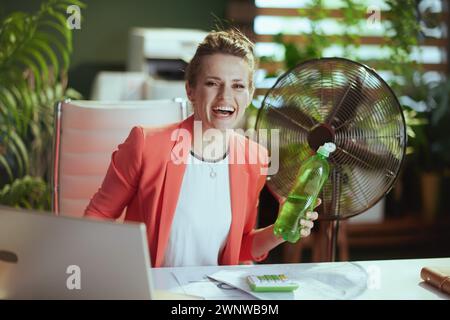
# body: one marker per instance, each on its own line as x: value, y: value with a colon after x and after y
x: 7, y: 99
x: 53, y: 40
x: 45, y: 48
x: 62, y: 27
x: 38, y: 57
x: 27, y: 63
x: 21, y: 116
x: 6, y: 166
x: 16, y: 147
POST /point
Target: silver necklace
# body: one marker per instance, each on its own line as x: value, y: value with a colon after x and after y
x: 212, y: 172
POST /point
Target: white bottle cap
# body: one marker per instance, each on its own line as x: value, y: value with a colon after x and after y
x: 326, y: 149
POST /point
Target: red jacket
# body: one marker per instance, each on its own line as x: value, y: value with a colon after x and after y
x: 145, y: 175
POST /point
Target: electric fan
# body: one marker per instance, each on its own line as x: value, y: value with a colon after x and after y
x: 341, y: 101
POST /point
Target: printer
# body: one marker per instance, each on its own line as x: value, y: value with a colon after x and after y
x: 156, y: 60
x: 162, y: 52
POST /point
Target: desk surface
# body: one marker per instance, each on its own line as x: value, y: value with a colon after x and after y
x: 378, y: 279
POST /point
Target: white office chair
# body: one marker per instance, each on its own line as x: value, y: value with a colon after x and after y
x: 86, y: 134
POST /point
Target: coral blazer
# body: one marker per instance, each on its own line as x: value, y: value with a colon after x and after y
x: 145, y: 175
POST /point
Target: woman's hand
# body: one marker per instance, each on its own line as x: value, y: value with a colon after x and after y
x: 265, y: 240
x: 307, y: 224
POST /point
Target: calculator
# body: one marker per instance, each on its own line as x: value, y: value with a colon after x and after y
x: 271, y: 283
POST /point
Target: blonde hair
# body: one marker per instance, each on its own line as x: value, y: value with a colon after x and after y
x: 232, y: 42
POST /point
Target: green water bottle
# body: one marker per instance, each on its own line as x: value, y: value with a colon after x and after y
x: 301, y: 199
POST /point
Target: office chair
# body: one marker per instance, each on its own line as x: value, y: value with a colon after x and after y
x: 86, y: 134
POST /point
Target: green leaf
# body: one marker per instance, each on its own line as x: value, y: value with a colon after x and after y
x: 21, y: 110
x: 43, y: 67
x: 62, y: 19
x: 22, y: 152
x: 73, y: 94
x: 12, y: 117
x: 51, y: 39
x: 63, y: 30
x: 4, y: 163
x: 12, y: 149
x: 30, y: 64
x: 27, y: 192
x: 44, y: 47
x: 22, y: 86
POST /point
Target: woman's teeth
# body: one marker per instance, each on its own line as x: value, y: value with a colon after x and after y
x: 224, y: 110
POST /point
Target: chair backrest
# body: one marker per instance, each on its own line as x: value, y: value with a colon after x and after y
x: 86, y: 134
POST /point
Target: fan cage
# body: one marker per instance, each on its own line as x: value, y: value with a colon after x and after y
x: 345, y: 102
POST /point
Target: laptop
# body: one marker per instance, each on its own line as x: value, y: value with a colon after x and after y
x: 43, y: 256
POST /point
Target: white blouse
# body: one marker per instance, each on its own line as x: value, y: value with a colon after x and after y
x: 202, y: 217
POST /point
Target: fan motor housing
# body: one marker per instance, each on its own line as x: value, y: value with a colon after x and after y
x: 319, y: 135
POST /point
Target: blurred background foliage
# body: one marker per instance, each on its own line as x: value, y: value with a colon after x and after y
x: 425, y: 104
x: 425, y: 100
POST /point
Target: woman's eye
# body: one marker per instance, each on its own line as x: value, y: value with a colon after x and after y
x: 239, y: 86
x: 210, y: 84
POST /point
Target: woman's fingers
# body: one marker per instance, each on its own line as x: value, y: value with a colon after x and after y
x: 318, y: 202
x: 312, y: 215
x: 306, y: 223
x: 305, y: 232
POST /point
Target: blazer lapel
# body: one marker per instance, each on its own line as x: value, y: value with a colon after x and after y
x: 238, y: 190
x: 175, y: 169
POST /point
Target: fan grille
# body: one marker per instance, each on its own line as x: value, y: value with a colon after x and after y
x: 341, y: 101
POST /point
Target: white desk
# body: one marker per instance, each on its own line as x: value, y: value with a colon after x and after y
x: 380, y: 279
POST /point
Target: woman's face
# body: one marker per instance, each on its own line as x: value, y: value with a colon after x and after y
x: 221, y: 92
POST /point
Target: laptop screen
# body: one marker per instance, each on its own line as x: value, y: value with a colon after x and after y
x: 43, y: 256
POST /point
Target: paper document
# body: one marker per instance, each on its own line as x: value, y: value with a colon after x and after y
x: 324, y: 281
x: 198, y: 284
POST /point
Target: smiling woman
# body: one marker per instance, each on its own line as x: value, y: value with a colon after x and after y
x: 219, y: 79
x: 198, y: 210
x: 221, y: 92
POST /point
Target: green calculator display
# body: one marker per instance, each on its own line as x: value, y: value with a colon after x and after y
x: 271, y: 283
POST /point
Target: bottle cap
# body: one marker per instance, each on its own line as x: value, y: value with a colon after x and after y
x: 326, y: 149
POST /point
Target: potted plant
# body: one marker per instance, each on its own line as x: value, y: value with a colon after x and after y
x: 34, y: 60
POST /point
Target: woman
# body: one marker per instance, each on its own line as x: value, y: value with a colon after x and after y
x: 193, y: 183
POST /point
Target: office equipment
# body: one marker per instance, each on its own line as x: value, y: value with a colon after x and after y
x: 162, y: 52
x: 271, y: 283
x: 43, y: 256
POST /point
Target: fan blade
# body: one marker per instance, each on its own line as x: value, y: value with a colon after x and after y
x: 349, y: 152
x: 290, y: 117
x: 345, y: 110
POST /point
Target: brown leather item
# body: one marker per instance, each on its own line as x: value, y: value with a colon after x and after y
x: 438, y: 277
